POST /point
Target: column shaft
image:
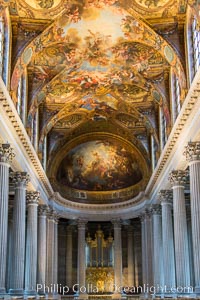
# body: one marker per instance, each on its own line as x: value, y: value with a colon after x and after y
x: 117, y: 257
x: 6, y: 156
x: 69, y: 257
x: 130, y: 257
x: 42, y: 248
x: 148, y: 248
x: 158, y: 279
x: 143, y: 242
x: 55, y: 250
x: 19, y: 221
x: 81, y: 257
x: 168, y: 243
x: 4, y: 186
x: 192, y: 153
x: 31, y: 244
x: 195, y: 216
x: 181, y: 238
x: 50, y: 251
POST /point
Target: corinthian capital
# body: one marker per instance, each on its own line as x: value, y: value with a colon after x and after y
x: 6, y: 153
x: 20, y: 178
x: 178, y: 177
x: 165, y: 196
x: 42, y: 210
x: 32, y: 198
x: 156, y: 209
x: 192, y: 151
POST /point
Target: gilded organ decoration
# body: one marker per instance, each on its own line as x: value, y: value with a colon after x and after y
x: 99, y: 262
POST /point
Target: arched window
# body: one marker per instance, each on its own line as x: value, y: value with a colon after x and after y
x: 162, y: 128
x: 1, y: 44
x: 196, y: 43
x: 5, y: 37
x: 153, y: 152
x: 175, y: 99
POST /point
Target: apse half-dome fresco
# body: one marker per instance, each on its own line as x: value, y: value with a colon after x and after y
x: 99, y: 165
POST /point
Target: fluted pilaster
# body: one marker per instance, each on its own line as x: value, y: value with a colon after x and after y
x: 158, y: 271
x: 81, y: 256
x: 42, y: 248
x: 130, y: 256
x: 31, y: 243
x: 19, y: 217
x: 6, y: 155
x: 69, y: 257
x: 168, y: 239
x: 117, y: 257
x: 178, y: 179
x: 192, y: 153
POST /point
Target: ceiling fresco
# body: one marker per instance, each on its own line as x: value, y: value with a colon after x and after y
x: 99, y: 166
x: 98, y: 66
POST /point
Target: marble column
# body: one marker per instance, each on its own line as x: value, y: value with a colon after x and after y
x: 168, y: 239
x: 69, y: 257
x: 19, y: 227
x: 192, y: 153
x: 158, y: 271
x: 143, y: 243
x: 81, y: 259
x: 50, y: 251
x: 55, y: 276
x: 148, y: 247
x: 31, y: 243
x: 189, y: 232
x: 177, y: 179
x: 6, y: 155
x: 9, y: 247
x: 130, y: 256
x: 117, y: 258
x: 42, y: 248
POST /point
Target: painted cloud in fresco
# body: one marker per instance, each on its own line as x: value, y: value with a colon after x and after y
x: 99, y: 165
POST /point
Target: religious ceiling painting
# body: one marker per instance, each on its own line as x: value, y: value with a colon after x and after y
x: 98, y: 66
x: 100, y: 165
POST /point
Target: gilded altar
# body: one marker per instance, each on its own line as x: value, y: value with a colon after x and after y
x: 101, y: 279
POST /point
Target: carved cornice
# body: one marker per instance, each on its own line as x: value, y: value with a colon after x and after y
x: 178, y: 177
x: 32, y: 198
x: 187, y: 111
x: 6, y: 153
x: 20, y: 179
x: 9, y: 110
x: 192, y: 151
x: 165, y: 196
